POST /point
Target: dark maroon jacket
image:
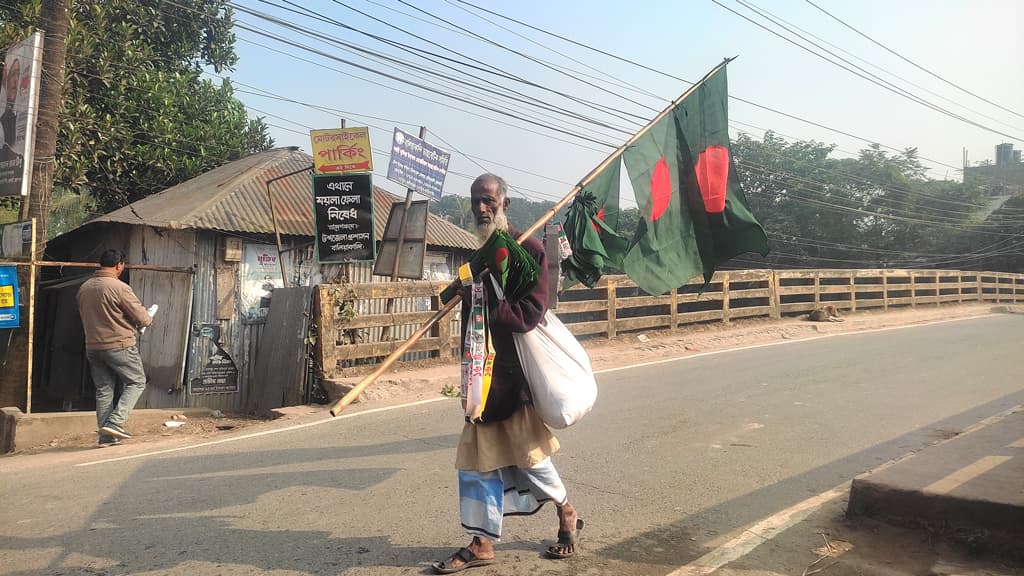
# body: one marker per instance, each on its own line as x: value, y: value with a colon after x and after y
x: 509, y: 389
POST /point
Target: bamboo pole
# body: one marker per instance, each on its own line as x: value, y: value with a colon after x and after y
x: 31, y: 321
x: 354, y: 393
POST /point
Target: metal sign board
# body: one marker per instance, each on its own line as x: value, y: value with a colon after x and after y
x: 9, y: 299
x: 16, y: 240
x: 19, y: 97
x: 343, y: 213
x: 418, y: 165
x: 341, y: 150
x: 414, y: 241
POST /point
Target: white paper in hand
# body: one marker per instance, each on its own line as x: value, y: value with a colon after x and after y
x: 152, y: 312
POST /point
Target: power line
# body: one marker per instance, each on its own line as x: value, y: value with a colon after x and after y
x: 861, y: 73
x: 908, y: 61
x: 880, y: 68
x: 690, y: 83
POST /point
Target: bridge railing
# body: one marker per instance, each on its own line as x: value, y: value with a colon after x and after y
x: 353, y: 326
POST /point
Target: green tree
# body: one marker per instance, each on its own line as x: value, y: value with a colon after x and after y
x: 878, y: 209
x: 136, y: 115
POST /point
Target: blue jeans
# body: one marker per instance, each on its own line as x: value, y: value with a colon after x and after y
x: 107, y: 367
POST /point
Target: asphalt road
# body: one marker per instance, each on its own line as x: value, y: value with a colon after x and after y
x: 676, y: 458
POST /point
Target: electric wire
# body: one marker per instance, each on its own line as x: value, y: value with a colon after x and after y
x: 912, y: 63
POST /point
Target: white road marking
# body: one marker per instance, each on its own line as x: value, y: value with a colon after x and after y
x: 1017, y: 444
x: 965, y: 474
x: 767, y: 344
x: 770, y: 527
x: 266, y: 432
x: 759, y: 533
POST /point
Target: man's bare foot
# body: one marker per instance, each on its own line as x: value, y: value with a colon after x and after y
x: 569, y: 525
x: 482, y: 551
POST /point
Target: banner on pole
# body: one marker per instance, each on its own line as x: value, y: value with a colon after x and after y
x: 343, y: 216
x: 418, y: 165
x: 341, y: 150
x: 19, y: 97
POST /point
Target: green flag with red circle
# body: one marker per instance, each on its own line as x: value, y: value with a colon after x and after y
x: 693, y: 214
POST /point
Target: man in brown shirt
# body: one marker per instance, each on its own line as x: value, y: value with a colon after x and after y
x: 112, y: 315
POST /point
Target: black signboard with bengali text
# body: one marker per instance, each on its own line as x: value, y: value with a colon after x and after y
x: 343, y: 210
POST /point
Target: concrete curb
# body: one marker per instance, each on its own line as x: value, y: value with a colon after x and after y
x: 8, y: 426
x: 975, y: 522
x: 19, y: 431
x: 965, y: 489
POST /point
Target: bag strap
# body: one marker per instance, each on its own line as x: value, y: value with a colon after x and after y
x: 497, y: 289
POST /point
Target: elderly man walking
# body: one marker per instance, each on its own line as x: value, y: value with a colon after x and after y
x: 503, y: 460
x: 112, y: 315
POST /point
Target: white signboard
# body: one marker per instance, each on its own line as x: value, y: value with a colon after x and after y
x: 19, y: 98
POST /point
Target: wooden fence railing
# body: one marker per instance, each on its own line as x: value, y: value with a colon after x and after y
x: 349, y: 319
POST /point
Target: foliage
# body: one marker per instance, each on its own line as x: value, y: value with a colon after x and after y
x: 69, y: 210
x: 522, y: 212
x: 136, y: 116
x: 875, y: 210
x: 10, y: 209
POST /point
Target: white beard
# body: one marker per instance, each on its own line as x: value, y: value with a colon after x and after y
x: 483, y: 232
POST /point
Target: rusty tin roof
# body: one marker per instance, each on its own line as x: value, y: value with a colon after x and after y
x: 233, y: 198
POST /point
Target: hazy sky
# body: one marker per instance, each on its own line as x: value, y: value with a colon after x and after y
x: 975, y: 44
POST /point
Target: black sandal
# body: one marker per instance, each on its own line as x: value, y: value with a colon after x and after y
x: 566, y: 539
x: 468, y: 558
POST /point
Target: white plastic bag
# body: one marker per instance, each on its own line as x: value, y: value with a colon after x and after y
x: 559, y: 372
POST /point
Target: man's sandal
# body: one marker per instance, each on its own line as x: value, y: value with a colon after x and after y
x: 468, y: 558
x: 566, y: 540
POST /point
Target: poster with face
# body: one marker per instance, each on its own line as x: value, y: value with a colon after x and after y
x: 261, y: 274
x: 19, y: 100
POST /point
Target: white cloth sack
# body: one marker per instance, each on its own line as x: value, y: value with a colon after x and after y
x: 558, y: 370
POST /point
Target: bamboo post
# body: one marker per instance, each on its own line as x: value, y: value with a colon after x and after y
x: 612, y: 329
x: 959, y: 287
x: 817, y: 289
x: 444, y: 332
x: 980, y: 292
x: 31, y: 320
x: 673, y: 311
x: 913, y: 291
x: 853, y: 290
x: 725, y: 297
x: 938, y: 292
x: 354, y: 393
x: 885, y: 291
x: 774, y: 305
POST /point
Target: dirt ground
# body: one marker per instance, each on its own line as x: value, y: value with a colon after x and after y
x: 414, y: 381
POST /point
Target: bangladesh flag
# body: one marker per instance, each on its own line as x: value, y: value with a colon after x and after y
x: 693, y: 215
x: 590, y: 226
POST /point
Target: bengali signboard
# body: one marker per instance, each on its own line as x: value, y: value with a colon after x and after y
x: 19, y: 97
x: 9, y: 297
x: 220, y: 375
x: 418, y: 165
x: 341, y: 150
x: 343, y: 214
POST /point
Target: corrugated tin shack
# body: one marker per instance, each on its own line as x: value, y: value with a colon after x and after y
x: 218, y: 230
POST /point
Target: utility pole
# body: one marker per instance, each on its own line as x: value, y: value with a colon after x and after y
x: 54, y: 23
